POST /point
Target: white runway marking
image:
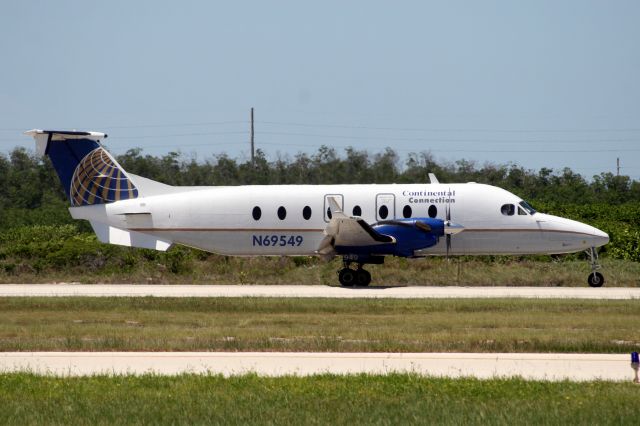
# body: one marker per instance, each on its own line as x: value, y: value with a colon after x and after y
x: 306, y: 291
x: 577, y: 367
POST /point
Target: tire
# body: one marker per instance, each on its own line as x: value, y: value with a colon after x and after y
x: 347, y: 277
x: 363, y: 278
x: 596, y: 279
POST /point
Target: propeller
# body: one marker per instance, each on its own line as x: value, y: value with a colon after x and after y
x: 449, y: 227
x: 447, y: 224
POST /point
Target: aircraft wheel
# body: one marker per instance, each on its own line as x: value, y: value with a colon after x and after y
x: 596, y: 279
x: 363, y: 278
x: 347, y: 277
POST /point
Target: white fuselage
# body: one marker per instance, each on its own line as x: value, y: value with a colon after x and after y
x: 220, y: 219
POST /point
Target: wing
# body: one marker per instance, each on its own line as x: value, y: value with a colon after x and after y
x: 343, y: 230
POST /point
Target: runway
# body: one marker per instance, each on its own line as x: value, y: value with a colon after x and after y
x: 310, y: 291
x: 552, y: 367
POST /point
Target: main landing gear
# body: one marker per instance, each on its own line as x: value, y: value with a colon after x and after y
x: 353, y: 277
x: 596, y: 279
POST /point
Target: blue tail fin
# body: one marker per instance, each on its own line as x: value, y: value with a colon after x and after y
x: 89, y: 174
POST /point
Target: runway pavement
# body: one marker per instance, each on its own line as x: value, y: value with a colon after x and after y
x: 306, y: 291
x: 576, y: 367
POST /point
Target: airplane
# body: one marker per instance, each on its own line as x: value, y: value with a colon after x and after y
x: 360, y: 223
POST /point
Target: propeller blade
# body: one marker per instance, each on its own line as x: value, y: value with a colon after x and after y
x: 447, y: 224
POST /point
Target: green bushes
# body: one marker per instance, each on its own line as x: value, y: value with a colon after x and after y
x: 41, y: 248
x: 35, y: 241
x: 178, y: 260
x: 625, y: 245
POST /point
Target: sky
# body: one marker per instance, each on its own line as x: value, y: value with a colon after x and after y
x: 534, y: 83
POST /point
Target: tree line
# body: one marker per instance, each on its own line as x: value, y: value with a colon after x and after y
x: 30, y: 182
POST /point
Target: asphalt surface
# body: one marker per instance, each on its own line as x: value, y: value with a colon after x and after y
x: 307, y: 291
x: 554, y: 367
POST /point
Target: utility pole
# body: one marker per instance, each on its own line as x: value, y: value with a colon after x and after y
x: 253, y: 163
x: 618, y: 166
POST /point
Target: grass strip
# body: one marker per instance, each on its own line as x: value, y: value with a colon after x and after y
x: 337, y: 325
x: 324, y: 399
x: 186, y: 268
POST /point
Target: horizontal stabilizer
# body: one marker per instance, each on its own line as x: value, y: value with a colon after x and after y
x: 45, y: 137
x: 123, y: 237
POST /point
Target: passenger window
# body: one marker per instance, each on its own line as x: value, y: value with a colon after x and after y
x: 357, y: 211
x: 508, y: 209
x: 329, y: 213
x: 256, y: 213
x: 282, y: 213
x: 306, y: 212
x: 521, y: 212
x: 383, y: 212
x: 433, y: 211
x: 406, y: 211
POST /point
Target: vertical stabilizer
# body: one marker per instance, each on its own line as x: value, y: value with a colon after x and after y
x: 89, y: 174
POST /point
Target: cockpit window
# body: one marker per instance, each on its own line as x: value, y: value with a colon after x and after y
x: 521, y: 212
x: 527, y: 207
x: 508, y: 209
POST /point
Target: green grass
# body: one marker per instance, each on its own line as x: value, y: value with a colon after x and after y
x: 325, y: 399
x: 275, y: 324
x: 214, y: 269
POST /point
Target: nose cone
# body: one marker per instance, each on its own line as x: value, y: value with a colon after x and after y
x: 452, y: 228
x: 594, y: 236
x: 599, y: 238
x: 572, y: 235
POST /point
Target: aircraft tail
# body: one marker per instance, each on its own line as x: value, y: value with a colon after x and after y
x: 89, y: 174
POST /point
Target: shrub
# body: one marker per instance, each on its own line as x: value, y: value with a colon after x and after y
x: 178, y: 260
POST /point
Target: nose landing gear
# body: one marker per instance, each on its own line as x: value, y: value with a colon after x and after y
x: 595, y: 279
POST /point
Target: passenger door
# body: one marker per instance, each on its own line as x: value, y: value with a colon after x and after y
x: 385, y: 206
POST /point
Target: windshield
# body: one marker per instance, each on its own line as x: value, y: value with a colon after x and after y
x: 527, y: 207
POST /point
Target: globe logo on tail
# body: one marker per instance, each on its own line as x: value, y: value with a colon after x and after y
x: 99, y: 180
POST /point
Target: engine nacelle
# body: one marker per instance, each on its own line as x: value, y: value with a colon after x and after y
x: 409, y: 235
